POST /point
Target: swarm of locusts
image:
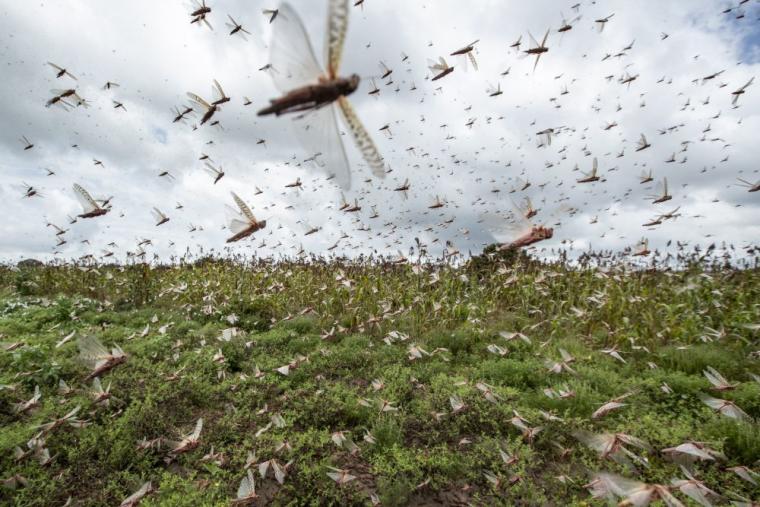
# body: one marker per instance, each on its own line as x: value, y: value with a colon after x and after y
x: 381, y: 381
x: 438, y: 376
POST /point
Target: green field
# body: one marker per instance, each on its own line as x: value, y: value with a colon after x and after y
x: 438, y: 400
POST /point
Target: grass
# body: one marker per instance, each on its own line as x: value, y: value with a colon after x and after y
x: 341, y: 325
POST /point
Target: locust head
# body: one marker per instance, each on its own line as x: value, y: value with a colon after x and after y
x: 350, y: 84
x: 540, y: 233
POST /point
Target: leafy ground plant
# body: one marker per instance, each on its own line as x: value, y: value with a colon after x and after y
x: 499, y: 382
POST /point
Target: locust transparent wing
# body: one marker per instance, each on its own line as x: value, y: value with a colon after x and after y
x: 279, y: 472
x: 341, y: 477
x: 337, y: 27
x: 533, y: 41
x: 218, y: 91
x: 543, y: 42
x: 205, y: 22
x: 694, y: 491
x: 137, y: 495
x: 72, y: 413
x: 197, y: 431
x: 247, y: 486
x: 213, y: 171
x: 662, y: 188
x: 235, y: 221
x: 473, y: 61
x: 599, y: 443
x: 714, y: 376
x: 621, y: 486
x: 504, y: 227
x: 263, y: 468
x: 438, y: 66
x: 363, y: 140
x: 744, y: 183
x: 84, y: 198
x: 244, y: 209
x: 91, y: 351
x: 318, y: 133
x: 714, y: 403
x: 199, y: 100
x: 291, y: 54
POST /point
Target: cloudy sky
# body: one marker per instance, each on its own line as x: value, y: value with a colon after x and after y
x: 450, y: 138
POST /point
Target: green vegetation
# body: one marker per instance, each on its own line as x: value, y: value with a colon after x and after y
x: 401, y: 359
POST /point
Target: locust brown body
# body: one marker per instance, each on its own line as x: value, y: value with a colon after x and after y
x: 443, y: 73
x: 312, y: 96
x: 94, y: 213
x: 247, y: 232
x: 209, y: 113
x: 107, y: 366
x: 536, y: 234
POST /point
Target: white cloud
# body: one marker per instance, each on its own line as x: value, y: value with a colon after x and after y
x: 156, y: 55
